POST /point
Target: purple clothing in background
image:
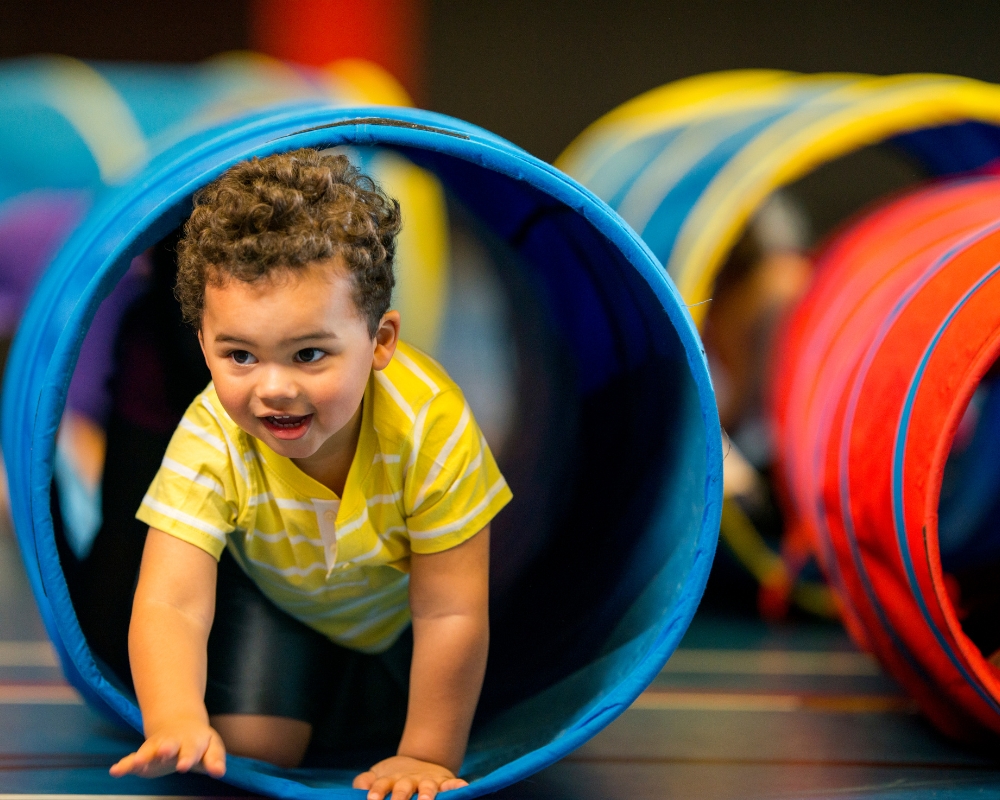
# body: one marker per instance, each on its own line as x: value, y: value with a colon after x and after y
x: 89, y: 389
x: 33, y: 226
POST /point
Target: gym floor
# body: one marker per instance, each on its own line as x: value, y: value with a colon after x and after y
x: 742, y: 710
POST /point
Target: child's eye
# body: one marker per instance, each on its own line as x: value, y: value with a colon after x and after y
x: 309, y: 355
x: 242, y: 357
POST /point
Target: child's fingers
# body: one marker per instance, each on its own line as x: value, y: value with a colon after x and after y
x: 404, y: 788
x: 158, y: 761
x: 157, y: 769
x: 364, y: 780
x: 123, y: 766
x: 190, y: 752
x: 162, y: 750
x: 145, y: 769
x: 158, y: 757
x: 380, y: 788
x: 214, y: 759
x: 132, y: 764
x: 154, y: 758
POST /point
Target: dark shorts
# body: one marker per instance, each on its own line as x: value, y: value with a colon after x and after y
x: 263, y: 661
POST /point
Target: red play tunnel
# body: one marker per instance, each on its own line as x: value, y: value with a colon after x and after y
x: 882, y: 393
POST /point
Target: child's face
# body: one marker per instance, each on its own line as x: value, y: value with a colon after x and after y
x: 290, y: 356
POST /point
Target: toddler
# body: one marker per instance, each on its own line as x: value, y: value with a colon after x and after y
x: 328, y: 493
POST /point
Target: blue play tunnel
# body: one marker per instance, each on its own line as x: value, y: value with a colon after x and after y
x: 615, y: 456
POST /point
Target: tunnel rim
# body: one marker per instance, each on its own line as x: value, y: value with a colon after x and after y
x: 163, y: 186
x: 913, y: 102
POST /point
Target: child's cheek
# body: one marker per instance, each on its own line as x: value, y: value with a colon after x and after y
x: 338, y: 402
x: 334, y: 406
x: 236, y: 403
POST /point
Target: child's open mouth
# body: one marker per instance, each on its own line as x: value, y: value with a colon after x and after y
x: 286, y: 426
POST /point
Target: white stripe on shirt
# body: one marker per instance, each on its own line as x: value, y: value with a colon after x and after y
x: 285, y: 536
x: 361, y: 601
x: 440, y: 458
x: 473, y: 466
x: 384, y: 499
x: 300, y: 572
x: 204, y: 435
x: 370, y: 622
x: 371, y: 553
x: 469, y: 470
x: 187, y: 519
x: 354, y: 525
x: 234, y: 454
x: 395, y: 394
x: 295, y: 504
x: 413, y: 367
x: 195, y: 477
x: 418, y: 436
x: 461, y: 521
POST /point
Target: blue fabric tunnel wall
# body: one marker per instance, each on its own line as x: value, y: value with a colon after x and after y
x: 616, y: 464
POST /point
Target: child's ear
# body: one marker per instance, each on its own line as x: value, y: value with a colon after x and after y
x: 386, y: 339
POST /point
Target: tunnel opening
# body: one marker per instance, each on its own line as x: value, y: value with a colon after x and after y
x: 608, y: 446
x: 968, y: 529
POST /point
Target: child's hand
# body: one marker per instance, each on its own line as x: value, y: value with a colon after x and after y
x: 177, y: 747
x: 402, y: 776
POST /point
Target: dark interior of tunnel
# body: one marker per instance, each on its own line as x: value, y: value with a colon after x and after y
x: 588, y: 458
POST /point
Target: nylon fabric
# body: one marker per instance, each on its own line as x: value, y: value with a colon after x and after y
x: 584, y: 627
x: 780, y: 126
x: 882, y: 359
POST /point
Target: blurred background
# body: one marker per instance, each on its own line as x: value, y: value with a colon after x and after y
x: 536, y: 73
x: 131, y: 77
x: 140, y: 74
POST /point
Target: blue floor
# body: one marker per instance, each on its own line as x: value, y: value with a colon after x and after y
x: 742, y: 710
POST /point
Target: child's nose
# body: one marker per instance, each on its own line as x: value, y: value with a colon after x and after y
x: 276, y: 383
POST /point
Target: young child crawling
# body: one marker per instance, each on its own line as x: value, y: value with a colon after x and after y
x: 328, y: 488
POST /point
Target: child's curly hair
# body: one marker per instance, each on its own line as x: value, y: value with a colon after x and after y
x: 283, y: 212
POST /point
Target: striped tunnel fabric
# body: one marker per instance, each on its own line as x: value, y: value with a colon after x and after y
x: 687, y: 164
x: 612, y: 373
x: 67, y: 124
x: 877, y: 369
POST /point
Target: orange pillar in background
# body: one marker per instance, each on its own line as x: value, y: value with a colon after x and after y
x: 391, y: 33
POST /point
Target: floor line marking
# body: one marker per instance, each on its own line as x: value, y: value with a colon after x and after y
x: 27, y: 654
x: 38, y: 694
x: 984, y: 766
x: 659, y: 700
x: 771, y: 662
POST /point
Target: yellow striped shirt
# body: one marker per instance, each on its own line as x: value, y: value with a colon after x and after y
x: 422, y: 480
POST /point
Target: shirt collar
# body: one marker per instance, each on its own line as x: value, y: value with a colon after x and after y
x: 354, y: 500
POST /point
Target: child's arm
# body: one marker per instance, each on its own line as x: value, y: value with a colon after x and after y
x: 449, y: 601
x: 171, y: 617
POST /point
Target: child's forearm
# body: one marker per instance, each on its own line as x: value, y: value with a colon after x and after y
x: 168, y: 636
x: 167, y: 644
x: 167, y: 651
x: 446, y: 676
